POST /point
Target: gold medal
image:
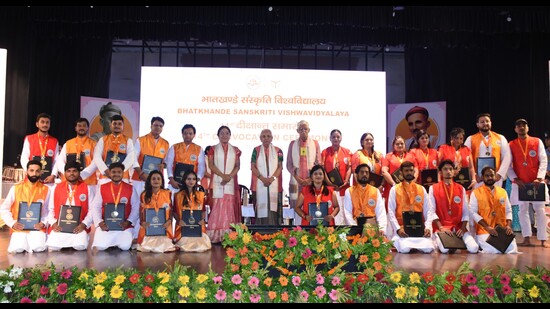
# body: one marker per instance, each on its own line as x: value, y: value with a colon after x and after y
x: 524, y: 163
x: 488, y: 154
x: 494, y: 214
x: 115, y: 158
x: 43, y: 162
x: 191, y: 218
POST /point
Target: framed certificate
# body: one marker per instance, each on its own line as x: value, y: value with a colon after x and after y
x: 397, y: 176
x: 81, y: 159
x: 451, y: 241
x: 375, y: 180
x: 156, y: 220
x: 192, y: 227
x: 69, y: 218
x: 113, y: 157
x: 335, y: 177
x: 180, y: 169
x: 318, y: 213
x: 532, y: 192
x: 150, y: 163
x: 428, y: 177
x: 463, y: 177
x: 114, y: 216
x: 47, y: 164
x: 483, y: 162
x: 502, y: 241
x: 29, y: 215
x: 413, y: 223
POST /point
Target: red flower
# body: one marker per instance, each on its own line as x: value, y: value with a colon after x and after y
x: 464, y: 289
x: 66, y: 274
x: 147, y: 291
x: 26, y: 300
x: 44, y: 290
x: 62, y: 289
x: 432, y: 290
x: 448, y: 301
x: 149, y: 278
x: 379, y: 276
x: 46, y: 275
x: 363, y: 278
x: 451, y: 278
x: 134, y: 278
x: 131, y: 294
x: 24, y: 282
x: 428, y: 277
x: 448, y: 288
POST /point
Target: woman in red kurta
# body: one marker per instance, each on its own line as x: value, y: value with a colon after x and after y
x: 459, y: 153
x: 392, y: 162
x: 319, y: 191
x: 425, y: 155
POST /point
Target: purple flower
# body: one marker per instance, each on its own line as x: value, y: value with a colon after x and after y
x: 488, y: 279
x: 504, y: 279
x: 320, y: 291
x: 253, y: 282
x: 490, y: 292
x: 296, y: 280
x: 217, y: 279
x: 320, y: 279
x: 220, y: 295
x: 66, y: 274
x: 470, y: 278
x: 474, y: 290
x: 304, y: 295
x: 41, y: 300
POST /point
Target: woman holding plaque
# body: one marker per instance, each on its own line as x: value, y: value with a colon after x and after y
x: 316, y: 196
x: 189, y: 213
x: 224, y: 161
x: 369, y: 156
x: 460, y: 154
x: 337, y: 162
x: 426, y: 158
x: 155, y: 212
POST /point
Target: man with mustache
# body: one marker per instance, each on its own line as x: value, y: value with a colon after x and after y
x: 410, y: 197
x: 29, y: 190
x: 489, y: 207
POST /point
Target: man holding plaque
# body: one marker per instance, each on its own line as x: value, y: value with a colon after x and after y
x: 410, y: 213
x: 363, y: 201
x: 529, y: 163
x: 25, y: 211
x: 184, y: 156
x: 490, y: 145
x: 450, y: 203
x: 113, y: 212
x: 80, y: 149
x: 43, y: 147
x: 68, y: 216
x: 114, y: 148
x: 489, y: 207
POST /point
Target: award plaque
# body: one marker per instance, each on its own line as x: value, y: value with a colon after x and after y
x: 29, y: 215
x: 483, y: 162
x: 47, y: 164
x: 451, y: 241
x: 375, y: 180
x: 156, y: 222
x: 428, y: 177
x: 397, y: 176
x: 69, y: 218
x: 318, y: 213
x: 192, y: 226
x: 81, y: 159
x: 335, y: 177
x: 413, y: 223
x: 502, y: 241
x: 114, y: 216
x: 180, y: 169
x: 463, y: 177
x: 113, y: 157
x: 532, y: 192
x: 150, y: 163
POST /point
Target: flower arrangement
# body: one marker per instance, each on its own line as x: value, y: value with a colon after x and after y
x: 312, y: 266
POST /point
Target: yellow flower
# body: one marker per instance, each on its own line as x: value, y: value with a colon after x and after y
x: 201, y: 278
x: 304, y: 240
x: 414, y: 277
x: 182, y: 301
x: 201, y: 294
x: 80, y: 294
x: 518, y: 279
x: 530, y: 277
x: 395, y: 277
x: 400, y: 292
x: 164, y: 277
x: 119, y: 279
x: 331, y: 238
x: 184, y: 291
x: 520, y: 293
x: 116, y: 292
x: 162, y: 291
x: 413, y: 291
x: 99, y: 291
x: 246, y: 238
x: 320, y: 248
x: 99, y: 278
x: 83, y: 276
x: 183, y: 279
x: 534, y: 292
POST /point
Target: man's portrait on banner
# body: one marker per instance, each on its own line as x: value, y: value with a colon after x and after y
x: 99, y: 112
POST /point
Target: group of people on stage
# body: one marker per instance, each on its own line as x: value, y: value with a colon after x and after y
x: 332, y: 186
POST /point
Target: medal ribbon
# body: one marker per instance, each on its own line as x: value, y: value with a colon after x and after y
x: 406, y: 187
x: 117, y: 199
x: 486, y: 142
x: 490, y: 200
x: 33, y: 191
x: 70, y: 192
x: 449, y: 195
x: 43, y: 147
x: 318, y: 197
x: 523, y: 150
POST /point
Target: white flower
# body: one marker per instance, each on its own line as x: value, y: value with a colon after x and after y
x: 16, y: 272
x: 337, y: 255
x: 343, y: 237
x: 7, y: 289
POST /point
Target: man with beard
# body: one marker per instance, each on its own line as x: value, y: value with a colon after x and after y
x: 363, y: 201
x: 42, y: 146
x: 29, y: 190
x: 489, y: 144
x: 185, y: 152
x: 119, y: 193
x: 489, y: 207
x: 74, y: 192
x: 451, y: 208
x: 80, y: 148
x: 408, y: 197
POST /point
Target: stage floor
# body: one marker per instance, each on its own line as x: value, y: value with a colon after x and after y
x: 214, y: 259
